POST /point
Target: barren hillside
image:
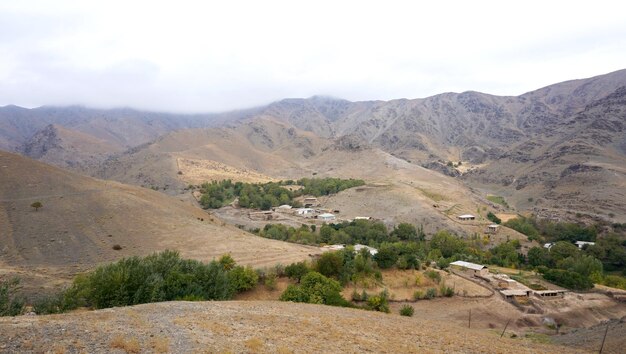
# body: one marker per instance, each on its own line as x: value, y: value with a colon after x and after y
x: 253, y: 327
x: 82, y: 219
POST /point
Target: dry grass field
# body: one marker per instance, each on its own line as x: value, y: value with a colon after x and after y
x: 252, y: 327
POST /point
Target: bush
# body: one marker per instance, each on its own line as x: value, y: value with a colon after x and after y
x: 379, y: 302
x: 270, y: 281
x: 242, y: 279
x: 10, y: 304
x: 446, y: 291
x: 433, y: 275
x: 418, y: 295
x: 568, y: 279
x: 407, y: 310
x: 297, y: 270
x: 159, y: 277
x: 430, y: 293
x: 491, y: 216
x: 330, y: 264
x: 315, y: 288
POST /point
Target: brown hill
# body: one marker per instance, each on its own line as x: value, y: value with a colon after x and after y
x: 257, y: 327
x: 82, y: 218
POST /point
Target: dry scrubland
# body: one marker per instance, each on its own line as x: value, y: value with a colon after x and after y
x: 251, y: 326
x: 82, y: 219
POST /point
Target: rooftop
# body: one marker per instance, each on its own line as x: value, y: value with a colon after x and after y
x: 468, y: 265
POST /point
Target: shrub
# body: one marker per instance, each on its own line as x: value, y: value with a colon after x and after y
x: 430, y: 293
x: 433, y: 275
x: 315, y: 288
x: 117, y: 247
x: 407, y: 310
x: 10, y: 304
x: 330, y: 264
x: 568, y: 279
x: 491, y: 216
x: 379, y: 302
x: 297, y: 270
x: 446, y: 291
x: 159, y: 277
x: 242, y: 278
x: 36, y: 205
x: 418, y: 295
x: 270, y: 281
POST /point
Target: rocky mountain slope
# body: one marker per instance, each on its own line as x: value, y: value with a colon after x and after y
x: 557, y: 151
x: 82, y: 218
x: 521, y: 147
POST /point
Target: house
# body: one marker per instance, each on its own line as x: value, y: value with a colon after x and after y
x: 582, y: 244
x: 466, y: 217
x: 471, y: 268
x: 310, y: 202
x: 326, y: 217
x: 305, y: 211
x: 493, y: 228
x: 509, y: 294
x: 359, y: 247
x: 362, y: 218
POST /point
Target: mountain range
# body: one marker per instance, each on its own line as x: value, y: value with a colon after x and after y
x: 559, y: 151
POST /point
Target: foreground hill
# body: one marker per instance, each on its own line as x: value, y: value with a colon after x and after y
x: 82, y: 218
x: 276, y: 327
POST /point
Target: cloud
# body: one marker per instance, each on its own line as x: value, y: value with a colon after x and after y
x: 192, y: 56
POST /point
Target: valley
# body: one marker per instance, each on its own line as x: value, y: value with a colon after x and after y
x: 121, y: 183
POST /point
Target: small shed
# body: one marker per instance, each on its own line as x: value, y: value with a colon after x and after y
x: 493, y: 228
x: 285, y: 207
x: 466, y: 217
x: 471, y: 268
x: 326, y: 217
x: 305, y: 211
x: 582, y: 244
x: 509, y: 294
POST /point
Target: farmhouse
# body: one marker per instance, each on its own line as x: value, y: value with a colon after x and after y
x: 310, y: 202
x: 326, y: 217
x: 509, y: 294
x: 471, y: 268
x: 466, y: 217
x: 493, y: 228
x: 305, y: 211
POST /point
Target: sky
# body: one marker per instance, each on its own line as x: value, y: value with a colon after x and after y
x: 210, y: 56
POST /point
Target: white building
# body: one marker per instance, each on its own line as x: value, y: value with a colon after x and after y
x: 582, y: 244
x: 466, y: 217
x: 326, y: 217
x: 305, y: 211
x: 475, y: 269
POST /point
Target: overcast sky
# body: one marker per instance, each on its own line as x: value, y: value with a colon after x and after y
x: 203, y: 56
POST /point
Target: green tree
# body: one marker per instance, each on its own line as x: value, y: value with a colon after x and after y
x: 316, y: 289
x: 447, y: 243
x: 405, y: 232
x: 36, y: 205
x: 330, y: 264
x: 539, y: 256
x: 297, y: 270
x: 243, y: 278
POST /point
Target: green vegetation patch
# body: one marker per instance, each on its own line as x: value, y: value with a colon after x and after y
x: 267, y: 195
x: 498, y: 200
